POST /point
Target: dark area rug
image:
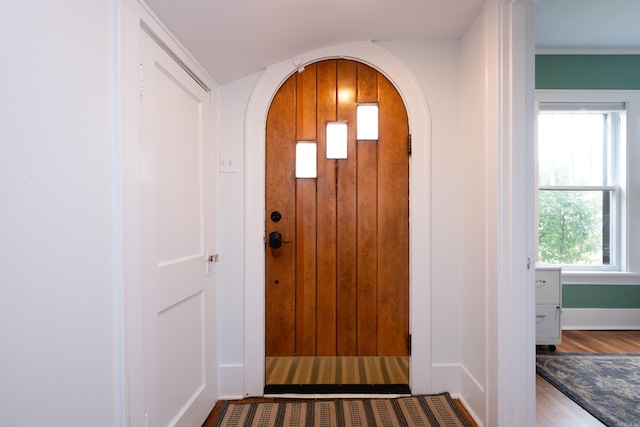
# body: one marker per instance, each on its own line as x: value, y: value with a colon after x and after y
x: 428, y: 410
x: 605, y: 385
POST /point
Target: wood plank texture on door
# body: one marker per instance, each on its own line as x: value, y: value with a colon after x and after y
x: 367, y: 199
x: 306, y: 224
x: 327, y: 262
x: 393, y: 222
x: 339, y: 285
x: 280, y: 322
x: 346, y: 250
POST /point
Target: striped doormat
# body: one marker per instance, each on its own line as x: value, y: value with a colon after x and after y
x: 427, y: 410
x: 337, y: 370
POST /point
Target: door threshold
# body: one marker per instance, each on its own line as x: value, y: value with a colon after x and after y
x: 337, y: 389
x: 334, y: 396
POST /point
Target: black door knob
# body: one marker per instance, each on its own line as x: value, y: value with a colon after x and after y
x: 275, y: 240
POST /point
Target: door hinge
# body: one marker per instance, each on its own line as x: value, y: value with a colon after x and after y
x: 409, y: 145
x: 141, y: 79
x: 409, y: 345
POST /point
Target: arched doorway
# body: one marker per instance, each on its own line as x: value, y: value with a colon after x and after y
x: 337, y: 259
x: 255, y: 138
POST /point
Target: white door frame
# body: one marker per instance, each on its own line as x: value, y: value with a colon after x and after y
x: 133, y: 16
x: 510, y: 393
x: 419, y: 206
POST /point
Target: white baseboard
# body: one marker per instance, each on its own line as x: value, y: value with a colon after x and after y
x: 473, y: 397
x: 455, y: 379
x: 230, y: 382
x: 601, y: 318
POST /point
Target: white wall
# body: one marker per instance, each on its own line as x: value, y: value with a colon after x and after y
x: 498, y: 351
x: 474, y: 254
x: 435, y: 65
x: 233, y: 99
x: 59, y: 298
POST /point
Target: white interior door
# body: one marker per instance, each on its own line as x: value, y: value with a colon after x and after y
x: 177, y: 237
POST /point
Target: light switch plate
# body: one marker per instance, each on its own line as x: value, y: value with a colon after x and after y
x: 228, y: 163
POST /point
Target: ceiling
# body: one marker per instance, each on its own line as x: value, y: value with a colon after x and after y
x: 236, y: 38
x: 588, y: 25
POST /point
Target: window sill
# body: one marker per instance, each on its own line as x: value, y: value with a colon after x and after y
x: 600, y: 278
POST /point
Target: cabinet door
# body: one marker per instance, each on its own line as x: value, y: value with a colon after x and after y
x: 547, y: 322
x: 548, y: 286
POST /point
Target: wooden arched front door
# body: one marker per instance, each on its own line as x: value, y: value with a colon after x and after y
x: 337, y: 243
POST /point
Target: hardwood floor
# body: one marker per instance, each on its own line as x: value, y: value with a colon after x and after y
x: 599, y: 342
x: 554, y: 409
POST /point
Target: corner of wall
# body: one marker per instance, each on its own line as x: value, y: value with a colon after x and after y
x: 472, y: 396
x: 460, y: 383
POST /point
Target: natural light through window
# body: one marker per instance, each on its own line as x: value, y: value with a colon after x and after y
x: 306, y: 154
x: 578, y: 177
x: 367, y: 119
x: 337, y: 147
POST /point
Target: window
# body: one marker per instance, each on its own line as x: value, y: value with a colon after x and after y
x: 367, y: 116
x: 581, y: 184
x: 337, y: 140
x: 306, y: 154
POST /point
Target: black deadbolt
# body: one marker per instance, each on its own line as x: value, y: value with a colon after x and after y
x: 276, y: 216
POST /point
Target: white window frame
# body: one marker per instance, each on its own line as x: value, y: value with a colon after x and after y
x: 628, y: 250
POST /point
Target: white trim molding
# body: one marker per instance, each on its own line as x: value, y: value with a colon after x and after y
x: 473, y: 396
x: 604, y: 319
x: 510, y: 354
x: 600, y: 278
x: 230, y: 381
x: 450, y: 377
x: 420, y: 170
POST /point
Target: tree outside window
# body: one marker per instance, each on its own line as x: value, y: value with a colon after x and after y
x: 578, y: 185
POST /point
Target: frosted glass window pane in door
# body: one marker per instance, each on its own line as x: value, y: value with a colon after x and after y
x: 306, y: 154
x: 367, y: 118
x: 336, y: 140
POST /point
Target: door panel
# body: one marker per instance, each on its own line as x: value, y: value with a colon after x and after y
x: 346, y: 216
x: 306, y: 267
x: 393, y: 223
x: 180, y: 332
x: 339, y: 285
x: 367, y: 199
x: 177, y: 230
x: 306, y: 220
x: 281, y: 269
x: 367, y: 248
x: 326, y: 196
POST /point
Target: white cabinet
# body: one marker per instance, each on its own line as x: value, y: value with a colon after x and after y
x: 548, y: 306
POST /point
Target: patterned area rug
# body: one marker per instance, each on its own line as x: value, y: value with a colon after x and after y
x: 606, y: 385
x: 428, y: 410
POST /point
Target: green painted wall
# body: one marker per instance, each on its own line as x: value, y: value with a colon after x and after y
x: 587, y: 71
x: 598, y: 72
x: 601, y: 296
